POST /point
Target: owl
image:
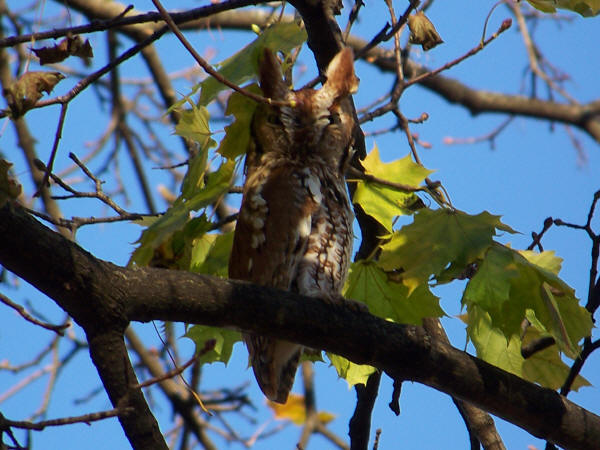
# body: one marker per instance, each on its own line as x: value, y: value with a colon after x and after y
x: 294, y: 228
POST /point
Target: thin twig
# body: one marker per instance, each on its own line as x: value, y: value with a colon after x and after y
x: 86, y: 418
x: 491, y: 136
x: 503, y: 27
x: 57, y: 137
x: 352, y: 17
x: 537, y: 237
x: 357, y: 174
x: 170, y: 374
x: 534, y: 54
x: 121, y: 22
x: 28, y: 317
x: 86, y: 82
x: 207, y: 67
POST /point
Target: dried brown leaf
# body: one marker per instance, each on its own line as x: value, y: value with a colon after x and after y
x: 422, y: 31
x: 24, y: 93
x: 69, y: 46
x: 9, y: 188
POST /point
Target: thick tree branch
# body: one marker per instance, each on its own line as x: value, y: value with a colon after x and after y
x: 102, y: 297
x: 109, y: 354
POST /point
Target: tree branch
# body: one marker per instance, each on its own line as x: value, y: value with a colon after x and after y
x: 102, y: 298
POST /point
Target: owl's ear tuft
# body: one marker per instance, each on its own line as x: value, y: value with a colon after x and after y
x: 341, y: 80
x: 269, y: 76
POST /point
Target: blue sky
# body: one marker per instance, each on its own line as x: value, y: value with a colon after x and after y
x: 532, y: 173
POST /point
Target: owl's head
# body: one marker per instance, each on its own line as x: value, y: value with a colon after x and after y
x: 318, y: 124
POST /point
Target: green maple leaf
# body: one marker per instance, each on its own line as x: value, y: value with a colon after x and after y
x: 384, y: 203
x: 491, y: 344
x: 237, y: 135
x: 193, y: 180
x: 210, y: 254
x: 436, y: 240
x: 586, y: 8
x: 387, y: 298
x: 352, y: 373
x: 509, y: 283
x: 223, y: 345
x: 177, y: 216
x: 544, y: 367
x: 193, y: 124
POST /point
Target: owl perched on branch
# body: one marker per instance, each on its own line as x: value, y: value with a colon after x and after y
x: 294, y: 229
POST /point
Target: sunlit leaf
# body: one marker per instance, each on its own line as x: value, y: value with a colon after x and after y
x: 435, y: 240
x: 586, y: 8
x: 547, y: 260
x: 352, y: 373
x: 178, y: 215
x: 384, y: 203
x: 193, y: 124
x: 210, y: 254
x: 491, y: 344
x: 237, y: 135
x: 387, y: 298
x: 508, y: 283
x: 294, y: 410
x: 224, y: 340
x: 546, y: 367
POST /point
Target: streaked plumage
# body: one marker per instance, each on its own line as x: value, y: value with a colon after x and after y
x: 294, y: 230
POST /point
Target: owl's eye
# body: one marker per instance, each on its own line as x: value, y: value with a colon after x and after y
x: 334, y: 119
x: 274, y: 119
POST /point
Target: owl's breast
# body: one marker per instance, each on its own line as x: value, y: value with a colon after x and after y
x: 324, y: 266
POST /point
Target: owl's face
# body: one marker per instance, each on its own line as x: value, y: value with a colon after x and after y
x: 318, y: 127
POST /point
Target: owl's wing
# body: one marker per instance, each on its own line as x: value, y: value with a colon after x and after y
x: 270, y: 241
x: 273, y: 227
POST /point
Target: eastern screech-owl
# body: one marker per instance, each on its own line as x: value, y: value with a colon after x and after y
x: 294, y: 229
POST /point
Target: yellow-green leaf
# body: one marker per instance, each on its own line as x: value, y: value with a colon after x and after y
x: 384, y: 203
x: 508, y: 283
x: 586, y: 8
x: 352, y: 373
x: 223, y: 346
x: 294, y: 410
x: 210, y: 254
x: 237, y: 135
x: 491, y: 344
x: 437, y: 239
x: 193, y: 125
x: 388, y: 298
x: 546, y: 367
x: 194, y: 177
x: 177, y: 216
x: 547, y: 260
